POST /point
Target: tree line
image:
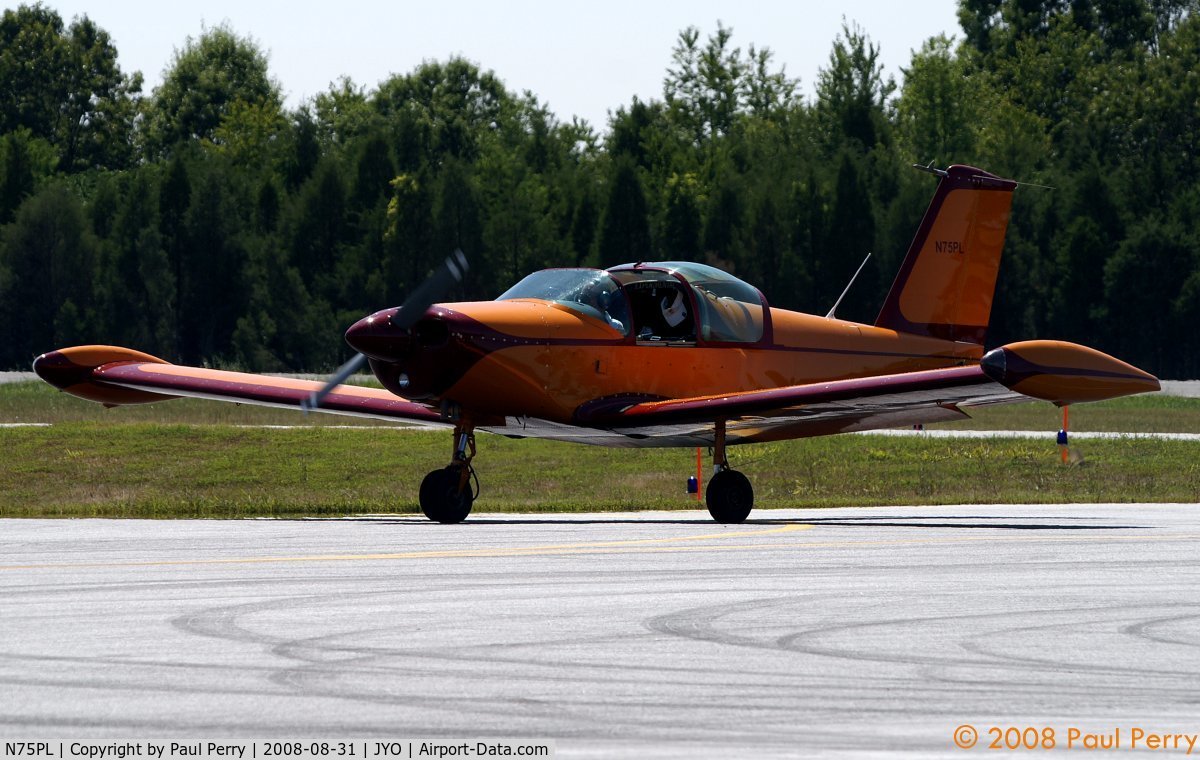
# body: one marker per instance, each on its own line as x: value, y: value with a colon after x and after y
x: 205, y: 222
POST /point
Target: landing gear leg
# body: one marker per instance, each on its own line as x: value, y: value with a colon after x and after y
x: 447, y: 494
x: 729, y: 495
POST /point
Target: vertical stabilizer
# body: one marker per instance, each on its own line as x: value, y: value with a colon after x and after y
x: 945, y: 286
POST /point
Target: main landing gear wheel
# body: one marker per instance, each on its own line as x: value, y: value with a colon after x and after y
x: 446, y: 495
x: 729, y: 497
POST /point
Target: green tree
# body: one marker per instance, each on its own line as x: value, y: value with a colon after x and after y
x: 723, y: 223
x: 64, y: 86
x: 374, y: 171
x: 204, y: 82
x: 937, y: 113
x: 96, y: 118
x: 409, y: 255
x: 624, y: 225
x: 34, y: 56
x: 852, y: 93
x: 711, y: 88
x: 681, y: 226
x: 850, y: 236
x: 213, y: 291
x: 174, y: 198
x: 701, y: 90
x: 138, y: 286
x: 16, y: 173
x: 343, y: 113
x: 1145, y: 277
x: 249, y: 134
x: 452, y: 103
x: 47, y: 256
x: 456, y: 211
x: 320, y: 228
x: 302, y: 149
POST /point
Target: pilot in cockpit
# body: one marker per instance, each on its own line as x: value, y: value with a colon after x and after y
x: 604, y: 302
x: 665, y: 315
x: 674, y: 311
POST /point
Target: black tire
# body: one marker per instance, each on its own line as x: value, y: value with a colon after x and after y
x: 441, y: 499
x: 729, y: 497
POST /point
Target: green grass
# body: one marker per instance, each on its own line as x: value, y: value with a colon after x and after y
x: 153, y: 470
x: 184, y: 458
x: 1148, y: 413
x: 39, y: 402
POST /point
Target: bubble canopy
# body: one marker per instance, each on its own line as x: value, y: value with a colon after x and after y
x: 725, y: 308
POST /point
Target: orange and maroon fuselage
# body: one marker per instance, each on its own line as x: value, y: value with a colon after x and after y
x: 535, y: 358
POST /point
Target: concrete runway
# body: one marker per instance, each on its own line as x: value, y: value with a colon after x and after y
x: 824, y: 632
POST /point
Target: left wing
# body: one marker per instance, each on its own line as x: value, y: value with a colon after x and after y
x: 115, y: 376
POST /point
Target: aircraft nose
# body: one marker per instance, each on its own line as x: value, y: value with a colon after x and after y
x: 377, y: 338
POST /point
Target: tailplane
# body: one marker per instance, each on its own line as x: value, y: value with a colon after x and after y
x: 945, y: 286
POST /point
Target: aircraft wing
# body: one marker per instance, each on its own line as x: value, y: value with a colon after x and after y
x: 1055, y: 371
x: 797, y: 411
x: 115, y: 376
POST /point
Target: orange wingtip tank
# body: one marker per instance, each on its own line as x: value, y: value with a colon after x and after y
x: 1064, y: 373
x: 70, y: 370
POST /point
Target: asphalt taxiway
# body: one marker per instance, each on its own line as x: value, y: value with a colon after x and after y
x: 856, y: 631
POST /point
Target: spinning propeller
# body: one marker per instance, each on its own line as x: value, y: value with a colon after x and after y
x: 451, y: 272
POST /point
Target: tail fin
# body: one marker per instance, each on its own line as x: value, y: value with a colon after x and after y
x: 945, y: 286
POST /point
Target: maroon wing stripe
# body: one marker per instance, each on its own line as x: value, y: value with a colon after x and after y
x: 779, y: 399
x: 237, y: 386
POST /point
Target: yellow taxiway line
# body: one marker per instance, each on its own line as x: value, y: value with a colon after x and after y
x: 595, y: 547
x: 630, y: 546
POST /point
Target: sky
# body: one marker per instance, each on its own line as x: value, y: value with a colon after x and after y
x: 579, y: 60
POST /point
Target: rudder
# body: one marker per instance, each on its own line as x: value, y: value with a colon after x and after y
x: 945, y: 286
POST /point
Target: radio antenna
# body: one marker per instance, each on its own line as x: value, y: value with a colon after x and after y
x: 847, y: 290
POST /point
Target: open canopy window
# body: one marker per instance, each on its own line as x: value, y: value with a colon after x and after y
x: 727, y: 310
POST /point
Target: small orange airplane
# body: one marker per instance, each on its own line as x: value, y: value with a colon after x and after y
x: 666, y: 354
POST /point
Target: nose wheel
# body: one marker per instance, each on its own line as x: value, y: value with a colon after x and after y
x: 729, y: 495
x: 447, y: 494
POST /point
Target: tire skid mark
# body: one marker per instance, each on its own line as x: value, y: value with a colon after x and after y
x: 1148, y: 629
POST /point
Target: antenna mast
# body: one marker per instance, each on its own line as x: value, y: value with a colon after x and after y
x: 847, y: 290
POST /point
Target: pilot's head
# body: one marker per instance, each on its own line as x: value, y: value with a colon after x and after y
x: 674, y: 308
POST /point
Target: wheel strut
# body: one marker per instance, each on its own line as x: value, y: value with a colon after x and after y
x: 719, y: 460
x: 464, y: 452
x: 447, y: 494
x: 729, y: 495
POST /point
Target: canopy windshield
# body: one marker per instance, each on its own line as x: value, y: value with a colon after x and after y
x: 592, y: 292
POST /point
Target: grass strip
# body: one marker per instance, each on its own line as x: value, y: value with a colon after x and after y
x: 87, y: 469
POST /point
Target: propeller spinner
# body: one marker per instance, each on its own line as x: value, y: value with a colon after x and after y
x: 450, y: 272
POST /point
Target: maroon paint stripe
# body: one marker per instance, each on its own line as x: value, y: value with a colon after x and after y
x: 778, y: 398
x: 250, y: 391
x: 856, y: 352
x: 1018, y: 369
